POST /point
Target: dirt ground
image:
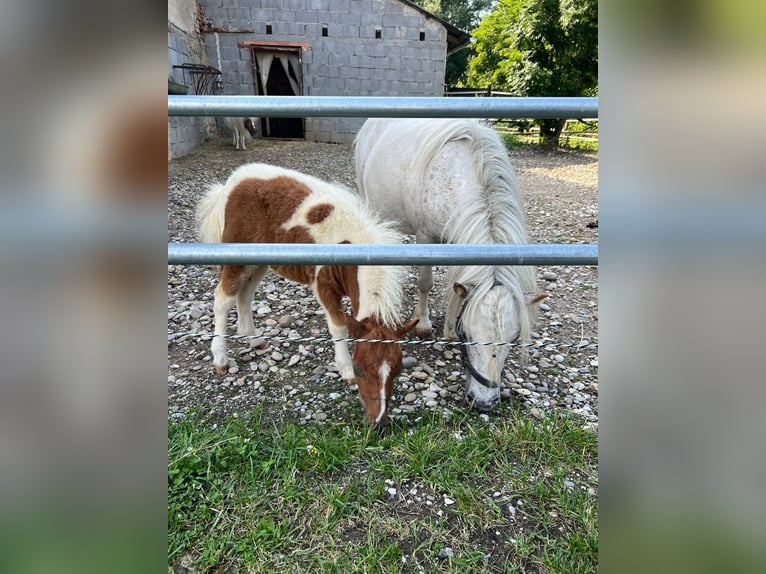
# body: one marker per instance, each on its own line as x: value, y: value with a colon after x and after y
x: 299, y: 380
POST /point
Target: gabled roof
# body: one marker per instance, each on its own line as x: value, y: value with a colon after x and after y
x: 456, y: 38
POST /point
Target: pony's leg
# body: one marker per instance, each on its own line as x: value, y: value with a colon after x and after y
x: 336, y: 324
x: 235, y: 139
x: 450, y: 318
x: 245, y: 324
x: 425, y: 282
x: 222, y: 303
x: 242, y: 139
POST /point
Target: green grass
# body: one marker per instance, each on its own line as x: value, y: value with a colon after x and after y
x: 257, y: 496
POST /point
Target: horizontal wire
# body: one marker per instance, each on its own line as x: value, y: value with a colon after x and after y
x: 278, y: 338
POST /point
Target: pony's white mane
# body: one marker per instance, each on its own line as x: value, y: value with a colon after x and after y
x: 490, y: 212
x: 380, y: 287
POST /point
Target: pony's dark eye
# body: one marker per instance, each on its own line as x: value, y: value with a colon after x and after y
x: 358, y: 371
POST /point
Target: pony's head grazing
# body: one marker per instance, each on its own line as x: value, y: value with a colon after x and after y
x: 491, y: 312
x: 376, y: 364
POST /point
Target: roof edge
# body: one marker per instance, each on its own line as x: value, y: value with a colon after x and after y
x: 457, y: 39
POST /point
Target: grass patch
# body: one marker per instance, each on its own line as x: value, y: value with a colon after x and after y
x: 256, y: 496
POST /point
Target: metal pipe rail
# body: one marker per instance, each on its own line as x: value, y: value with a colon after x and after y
x: 370, y: 106
x: 426, y: 254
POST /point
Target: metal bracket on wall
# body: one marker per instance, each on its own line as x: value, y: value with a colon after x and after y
x: 205, y: 79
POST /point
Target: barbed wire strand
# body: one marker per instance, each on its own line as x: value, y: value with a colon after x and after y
x: 583, y: 344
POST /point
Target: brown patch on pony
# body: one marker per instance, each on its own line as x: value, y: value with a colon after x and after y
x: 255, y: 211
x: 319, y: 213
x: 336, y: 281
x: 232, y: 278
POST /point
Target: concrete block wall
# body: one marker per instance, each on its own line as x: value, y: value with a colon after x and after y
x: 185, y: 133
x: 349, y: 61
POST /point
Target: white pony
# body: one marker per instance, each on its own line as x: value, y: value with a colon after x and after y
x: 450, y: 181
x: 242, y: 128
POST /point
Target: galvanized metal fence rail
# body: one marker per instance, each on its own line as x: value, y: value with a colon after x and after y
x: 335, y: 106
x: 302, y: 254
x: 367, y: 107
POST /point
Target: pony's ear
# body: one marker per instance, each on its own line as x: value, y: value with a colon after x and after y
x: 355, y: 328
x: 461, y: 290
x: 407, y: 327
x: 534, y: 298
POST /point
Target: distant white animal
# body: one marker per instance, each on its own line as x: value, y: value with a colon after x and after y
x: 242, y: 128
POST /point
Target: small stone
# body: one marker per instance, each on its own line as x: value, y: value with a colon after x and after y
x: 285, y: 321
x: 431, y: 403
x: 429, y: 394
x: 233, y: 370
x: 409, y: 362
x: 277, y: 356
x: 263, y: 310
x: 448, y: 501
x: 334, y: 396
x: 391, y: 492
x: 294, y: 360
x: 321, y: 417
x: 419, y: 375
x: 550, y: 276
x: 410, y: 397
x: 446, y: 553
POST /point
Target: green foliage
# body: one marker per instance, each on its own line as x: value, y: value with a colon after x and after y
x: 538, y: 48
x: 465, y: 15
x: 494, y: 55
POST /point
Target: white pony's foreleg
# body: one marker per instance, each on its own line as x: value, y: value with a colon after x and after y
x: 223, y: 302
x: 450, y: 318
x: 245, y: 324
x: 425, y: 282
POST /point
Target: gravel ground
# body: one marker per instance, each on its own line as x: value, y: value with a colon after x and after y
x: 300, y: 381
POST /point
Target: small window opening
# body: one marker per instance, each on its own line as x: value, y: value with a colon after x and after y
x: 377, y: 33
x: 324, y: 30
x: 422, y: 36
x: 268, y: 28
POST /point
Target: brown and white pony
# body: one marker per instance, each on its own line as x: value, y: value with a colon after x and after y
x: 241, y: 129
x: 262, y: 203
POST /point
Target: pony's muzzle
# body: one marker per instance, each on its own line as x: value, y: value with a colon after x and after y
x: 481, y: 404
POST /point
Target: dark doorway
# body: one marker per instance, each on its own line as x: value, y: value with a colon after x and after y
x: 281, y: 79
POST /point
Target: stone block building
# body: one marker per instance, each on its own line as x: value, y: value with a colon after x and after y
x: 326, y: 48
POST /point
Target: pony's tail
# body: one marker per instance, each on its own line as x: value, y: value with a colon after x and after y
x: 210, y: 214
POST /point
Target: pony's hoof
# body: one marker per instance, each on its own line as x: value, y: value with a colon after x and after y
x: 257, y: 343
x: 424, y: 333
x: 347, y: 374
x: 221, y: 370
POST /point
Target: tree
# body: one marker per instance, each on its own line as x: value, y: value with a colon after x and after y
x: 539, y: 48
x: 463, y: 14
